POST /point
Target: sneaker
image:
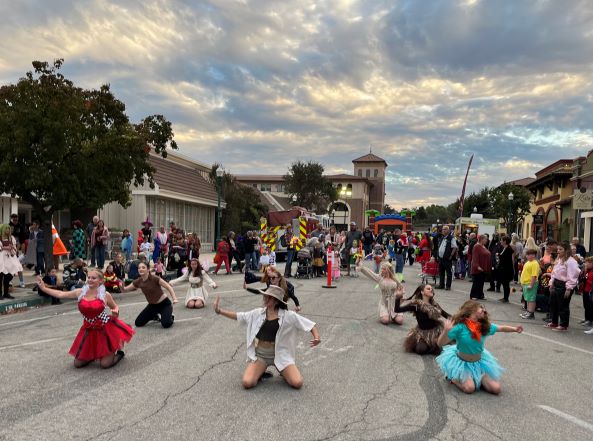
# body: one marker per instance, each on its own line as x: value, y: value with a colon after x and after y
x: 589, y: 332
x: 528, y: 316
x: 550, y: 325
x: 503, y: 300
x: 560, y: 328
x: 587, y: 323
x: 582, y: 322
x: 22, y: 285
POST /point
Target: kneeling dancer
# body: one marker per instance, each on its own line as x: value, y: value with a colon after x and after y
x: 159, y: 306
x: 271, y: 337
x: 102, y: 335
x: 197, y: 294
x: 389, y: 286
x: 422, y: 339
x: 467, y: 364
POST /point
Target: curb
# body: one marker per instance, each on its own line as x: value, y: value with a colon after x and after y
x: 22, y: 303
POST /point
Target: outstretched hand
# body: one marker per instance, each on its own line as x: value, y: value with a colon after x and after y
x: 519, y: 329
x: 315, y: 342
x: 40, y: 282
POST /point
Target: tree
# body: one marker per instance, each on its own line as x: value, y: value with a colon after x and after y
x: 313, y: 191
x: 513, y: 211
x: 243, y: 204
x: 388, y: 209
x: 62, y: 146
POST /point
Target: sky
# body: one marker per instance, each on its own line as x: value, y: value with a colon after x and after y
x: 257, y: 85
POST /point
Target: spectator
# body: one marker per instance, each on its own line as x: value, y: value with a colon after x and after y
x: 74, y: 275
x: 447, y: 252
x: 161, y: 243
x: 9, y: 261
x: 110, y: 280
x: 505, y: 268
x: 51, y: 281
x: 288, y: 241
x: 20, y: 236
x: 89, y: 234
x: 126, y: 244
x: 222, y: 255
x: 119, y: 267
x: 354, y: 235
x: 581, y: 251
x: 79, y: 241
x: 99, y: 239
x: 480, y: 266
x: 234, y: 251
x: 36, y: 236
x: 563, y: 280
x: 529, y: 282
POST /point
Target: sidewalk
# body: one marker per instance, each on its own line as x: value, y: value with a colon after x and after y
x: 25, y: 298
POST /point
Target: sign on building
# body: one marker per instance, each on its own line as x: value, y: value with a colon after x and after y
x: 582, y: 199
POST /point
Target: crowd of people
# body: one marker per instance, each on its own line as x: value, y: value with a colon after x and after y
x: 549, y: 275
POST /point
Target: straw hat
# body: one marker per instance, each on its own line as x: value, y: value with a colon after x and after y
x: 272, y: 291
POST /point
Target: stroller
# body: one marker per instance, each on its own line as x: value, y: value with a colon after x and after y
x: 430, y: 269
x: 305, y: 266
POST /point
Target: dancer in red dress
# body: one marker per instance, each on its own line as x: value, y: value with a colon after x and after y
x: 102, y: 335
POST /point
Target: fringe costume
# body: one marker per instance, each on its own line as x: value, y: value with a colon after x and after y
x: 422, y: 339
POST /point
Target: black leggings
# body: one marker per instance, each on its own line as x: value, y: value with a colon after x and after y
x: 5, y: 283
x: 164, y: 308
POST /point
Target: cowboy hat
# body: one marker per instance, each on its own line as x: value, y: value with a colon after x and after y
x: 272, y: 291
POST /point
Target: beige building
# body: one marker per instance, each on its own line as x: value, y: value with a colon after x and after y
x: 182, y: 194
x: 358, y: 192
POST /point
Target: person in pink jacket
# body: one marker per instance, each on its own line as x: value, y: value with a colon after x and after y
x: 563, y: 281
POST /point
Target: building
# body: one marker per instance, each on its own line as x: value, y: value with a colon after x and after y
x: 361, y: 191
x: 552, y: 191
x: 182, y: 194
x: 582, y: 200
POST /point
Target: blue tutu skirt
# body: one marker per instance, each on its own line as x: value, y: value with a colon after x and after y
x: 457, y: 369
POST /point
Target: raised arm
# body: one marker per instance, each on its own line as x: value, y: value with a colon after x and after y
x: 57, y: 293
x: 367, y: 272
x: 169, y: 288
x: 228, y: 314
x: 408, y: 307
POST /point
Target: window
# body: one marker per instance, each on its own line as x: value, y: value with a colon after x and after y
x: 265, y: 187
x: 368, y: 173
x: 376, y: 173
x: 360, y: 172
x: 279, y: 188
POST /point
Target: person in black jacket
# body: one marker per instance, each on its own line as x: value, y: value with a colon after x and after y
x: 273, y: 277
x: 506, y: 267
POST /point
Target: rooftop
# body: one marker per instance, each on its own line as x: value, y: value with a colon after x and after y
x: 370, y: 157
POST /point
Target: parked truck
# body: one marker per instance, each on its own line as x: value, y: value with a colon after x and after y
x: 273, y: 228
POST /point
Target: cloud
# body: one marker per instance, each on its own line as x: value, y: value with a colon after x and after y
x: 256, y: 85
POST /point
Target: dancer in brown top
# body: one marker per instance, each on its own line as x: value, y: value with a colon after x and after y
x: 159, y: 306
x: 422, y: 339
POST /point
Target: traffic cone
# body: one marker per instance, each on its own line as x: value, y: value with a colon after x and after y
x: 59, y: 248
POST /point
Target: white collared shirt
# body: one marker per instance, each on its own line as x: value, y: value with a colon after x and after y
x: 286, y: 339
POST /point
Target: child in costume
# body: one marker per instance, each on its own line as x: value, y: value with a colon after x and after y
x: 377, y: 257
x: 159, y: 267
x: 466, y: 363
x: 111, y: 282
x: 103, y: 334
x: 355, y: 257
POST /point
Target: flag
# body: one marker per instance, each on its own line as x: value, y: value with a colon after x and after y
x: 462, y: 199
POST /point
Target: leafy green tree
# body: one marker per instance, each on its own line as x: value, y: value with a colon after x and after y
x: 243, y: 204
x: 511, y: 212
x: 62, y: 146
x: 388, y: 209
x: 313, y: 191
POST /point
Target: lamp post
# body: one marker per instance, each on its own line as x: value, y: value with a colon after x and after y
x: 510, y: 219
x: 219, y: 174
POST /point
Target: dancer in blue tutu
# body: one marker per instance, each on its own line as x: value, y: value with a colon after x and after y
x: 466, y: 363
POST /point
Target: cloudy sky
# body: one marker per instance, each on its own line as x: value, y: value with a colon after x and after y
x: 258, y: 84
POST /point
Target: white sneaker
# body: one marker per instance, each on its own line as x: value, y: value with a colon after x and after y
x: 22, y: 285
x: 587, y: 323
x: 589, y: 332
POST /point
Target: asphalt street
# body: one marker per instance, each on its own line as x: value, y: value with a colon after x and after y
x: 184, y: 383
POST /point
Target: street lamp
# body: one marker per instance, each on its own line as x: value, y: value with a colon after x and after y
x: 510, y: 219
x: 219, y: 174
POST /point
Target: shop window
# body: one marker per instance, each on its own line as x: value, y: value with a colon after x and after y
x: 360, y: 172
x: 368, y: 173
x: 376, y: 173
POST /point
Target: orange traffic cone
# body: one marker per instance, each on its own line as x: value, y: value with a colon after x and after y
x: 59, y: 248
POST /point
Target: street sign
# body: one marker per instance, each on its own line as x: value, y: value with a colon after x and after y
x: 582, y: 200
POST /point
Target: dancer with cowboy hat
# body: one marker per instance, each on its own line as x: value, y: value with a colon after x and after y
x: 271, y: 337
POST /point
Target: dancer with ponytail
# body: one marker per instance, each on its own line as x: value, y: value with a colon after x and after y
x: 422, y: 339
x: 466, y: 363
x: 103, y: 334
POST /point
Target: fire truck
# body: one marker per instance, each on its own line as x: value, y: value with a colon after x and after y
x: 273, y: 227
